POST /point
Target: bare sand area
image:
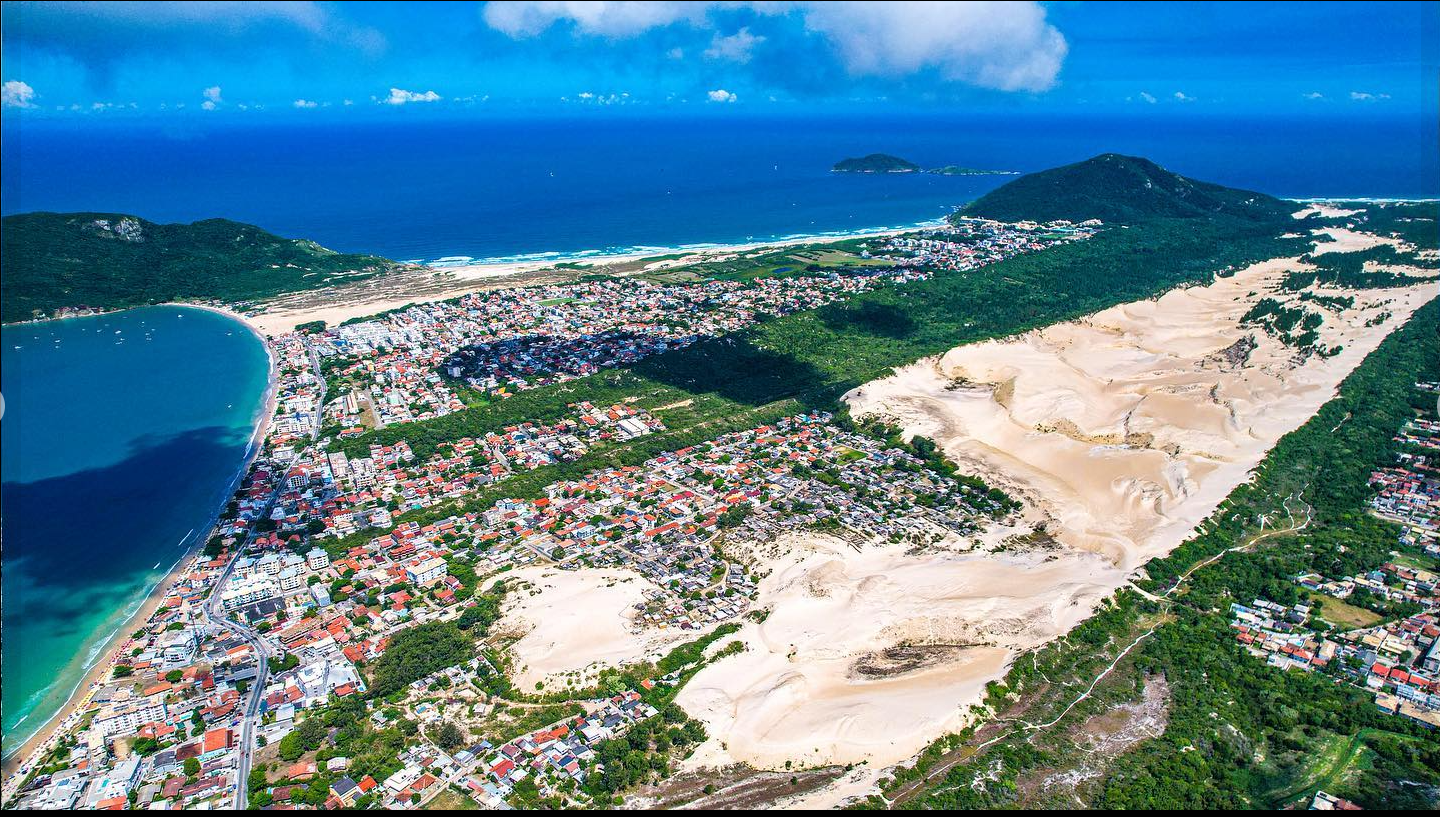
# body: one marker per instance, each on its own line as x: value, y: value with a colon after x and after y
x: 572, y: 624
x: 868, y: 655
x: 1121, y: 432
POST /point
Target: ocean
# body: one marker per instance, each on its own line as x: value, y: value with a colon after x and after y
x: 423, y: 189
x: 116, y: 452
x: 121, y: 434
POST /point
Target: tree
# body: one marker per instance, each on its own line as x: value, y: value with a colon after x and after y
x: 192, y: 766
x: 449, y: 737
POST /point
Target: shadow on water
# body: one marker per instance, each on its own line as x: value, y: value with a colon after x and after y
x: 71, y: 541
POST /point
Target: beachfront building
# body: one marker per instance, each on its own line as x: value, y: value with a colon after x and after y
x: 241, y: 592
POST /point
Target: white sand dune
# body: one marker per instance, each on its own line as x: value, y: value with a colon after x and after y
x: 1121, y: 432
x: 816, y: 684
x: 577, y: 621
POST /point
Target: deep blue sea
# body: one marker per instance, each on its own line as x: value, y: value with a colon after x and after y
x: 492, y: 188
x: 115, y: 451
x: 121, y: 434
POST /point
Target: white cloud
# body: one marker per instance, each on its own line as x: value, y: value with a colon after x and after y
x: 1181, y: 97
x: 606, y: 19
x: 400, y: 96
x: 721, y: 95
x: 17, y: 94
x: 1003, y: 45
x: 212, y: 98
x: 1147, y: 97
x: 1007, y: 46
x: 676, y: 53
x: 1313, y: 95
x: 1365, y: 96
x: 306, y: 103
x: 735, y: 48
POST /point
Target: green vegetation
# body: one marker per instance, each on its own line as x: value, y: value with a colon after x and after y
x: 1347, y: 269
x: 1412, y: 222
x: 875, y: 163
x: 417, y: 651
x: 808, y: 360
x: 1240, y: 734
x: 1123, y: 190
x: 108, y: 260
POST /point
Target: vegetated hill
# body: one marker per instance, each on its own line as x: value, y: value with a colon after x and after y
x: 109, y: 260
x: 876, y: 163
x: 1123, y: 190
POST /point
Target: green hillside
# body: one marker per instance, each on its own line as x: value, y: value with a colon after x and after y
x: 1122, y: 190
x: 109, y: 260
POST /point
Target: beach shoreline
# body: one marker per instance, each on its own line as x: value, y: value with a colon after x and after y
x: 455, y: 280
x: 16, y: 763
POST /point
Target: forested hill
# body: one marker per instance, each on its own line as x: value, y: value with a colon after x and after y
x: 109, y: 260
x: 1122, y: 190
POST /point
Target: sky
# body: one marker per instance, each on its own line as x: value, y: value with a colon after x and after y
x: 154, y: 60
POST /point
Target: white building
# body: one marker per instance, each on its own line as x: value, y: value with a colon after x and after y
x: 247, y: 591
x: 317, y: 559
x: 424, y: 571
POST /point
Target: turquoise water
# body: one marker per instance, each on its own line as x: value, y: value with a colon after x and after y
x: 121, y: 435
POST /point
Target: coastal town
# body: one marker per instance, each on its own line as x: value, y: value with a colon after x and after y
x: 220, y: 698
x: 1379, y: 630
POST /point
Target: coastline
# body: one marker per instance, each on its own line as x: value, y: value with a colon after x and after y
x: 481, y: 274
x: 17, y: 762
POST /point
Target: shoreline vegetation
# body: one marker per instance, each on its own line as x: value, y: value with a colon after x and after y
x: 106, y: 652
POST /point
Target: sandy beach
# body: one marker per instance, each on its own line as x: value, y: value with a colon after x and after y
x: 423, y: 285
x: 17, y: 760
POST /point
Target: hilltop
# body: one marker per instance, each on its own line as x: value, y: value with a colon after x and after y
x: 876, y: 163
x: 113, y: 260
x: 1120, y: 189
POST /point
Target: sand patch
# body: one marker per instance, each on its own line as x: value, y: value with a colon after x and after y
x: 575, y: 623
x: 1121, y: 432
x: 869, y: 655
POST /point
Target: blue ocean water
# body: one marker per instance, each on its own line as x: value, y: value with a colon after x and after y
x: 495, y: 187
x: 121, y: 435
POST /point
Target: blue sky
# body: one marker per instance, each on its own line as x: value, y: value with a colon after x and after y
x: 366, y: 60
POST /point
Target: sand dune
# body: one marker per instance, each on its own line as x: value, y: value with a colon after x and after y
x: 576, y: 621
x: 869, y: 655
x: 1121, y: 432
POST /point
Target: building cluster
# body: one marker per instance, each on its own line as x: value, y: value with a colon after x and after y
x: 330, y: 494
x: 971, y: 243
x: 1398, y: 661
x: 408, y: 365
x: 1408, y: 491
x: 161, y: 730
x: 247, y: 641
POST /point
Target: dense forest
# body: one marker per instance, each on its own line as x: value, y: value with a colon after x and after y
x: 1122, y: 190
x: 110, y: 261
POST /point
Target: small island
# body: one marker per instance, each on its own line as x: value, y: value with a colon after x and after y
x: 885, y: 163
x: 876, y: 163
